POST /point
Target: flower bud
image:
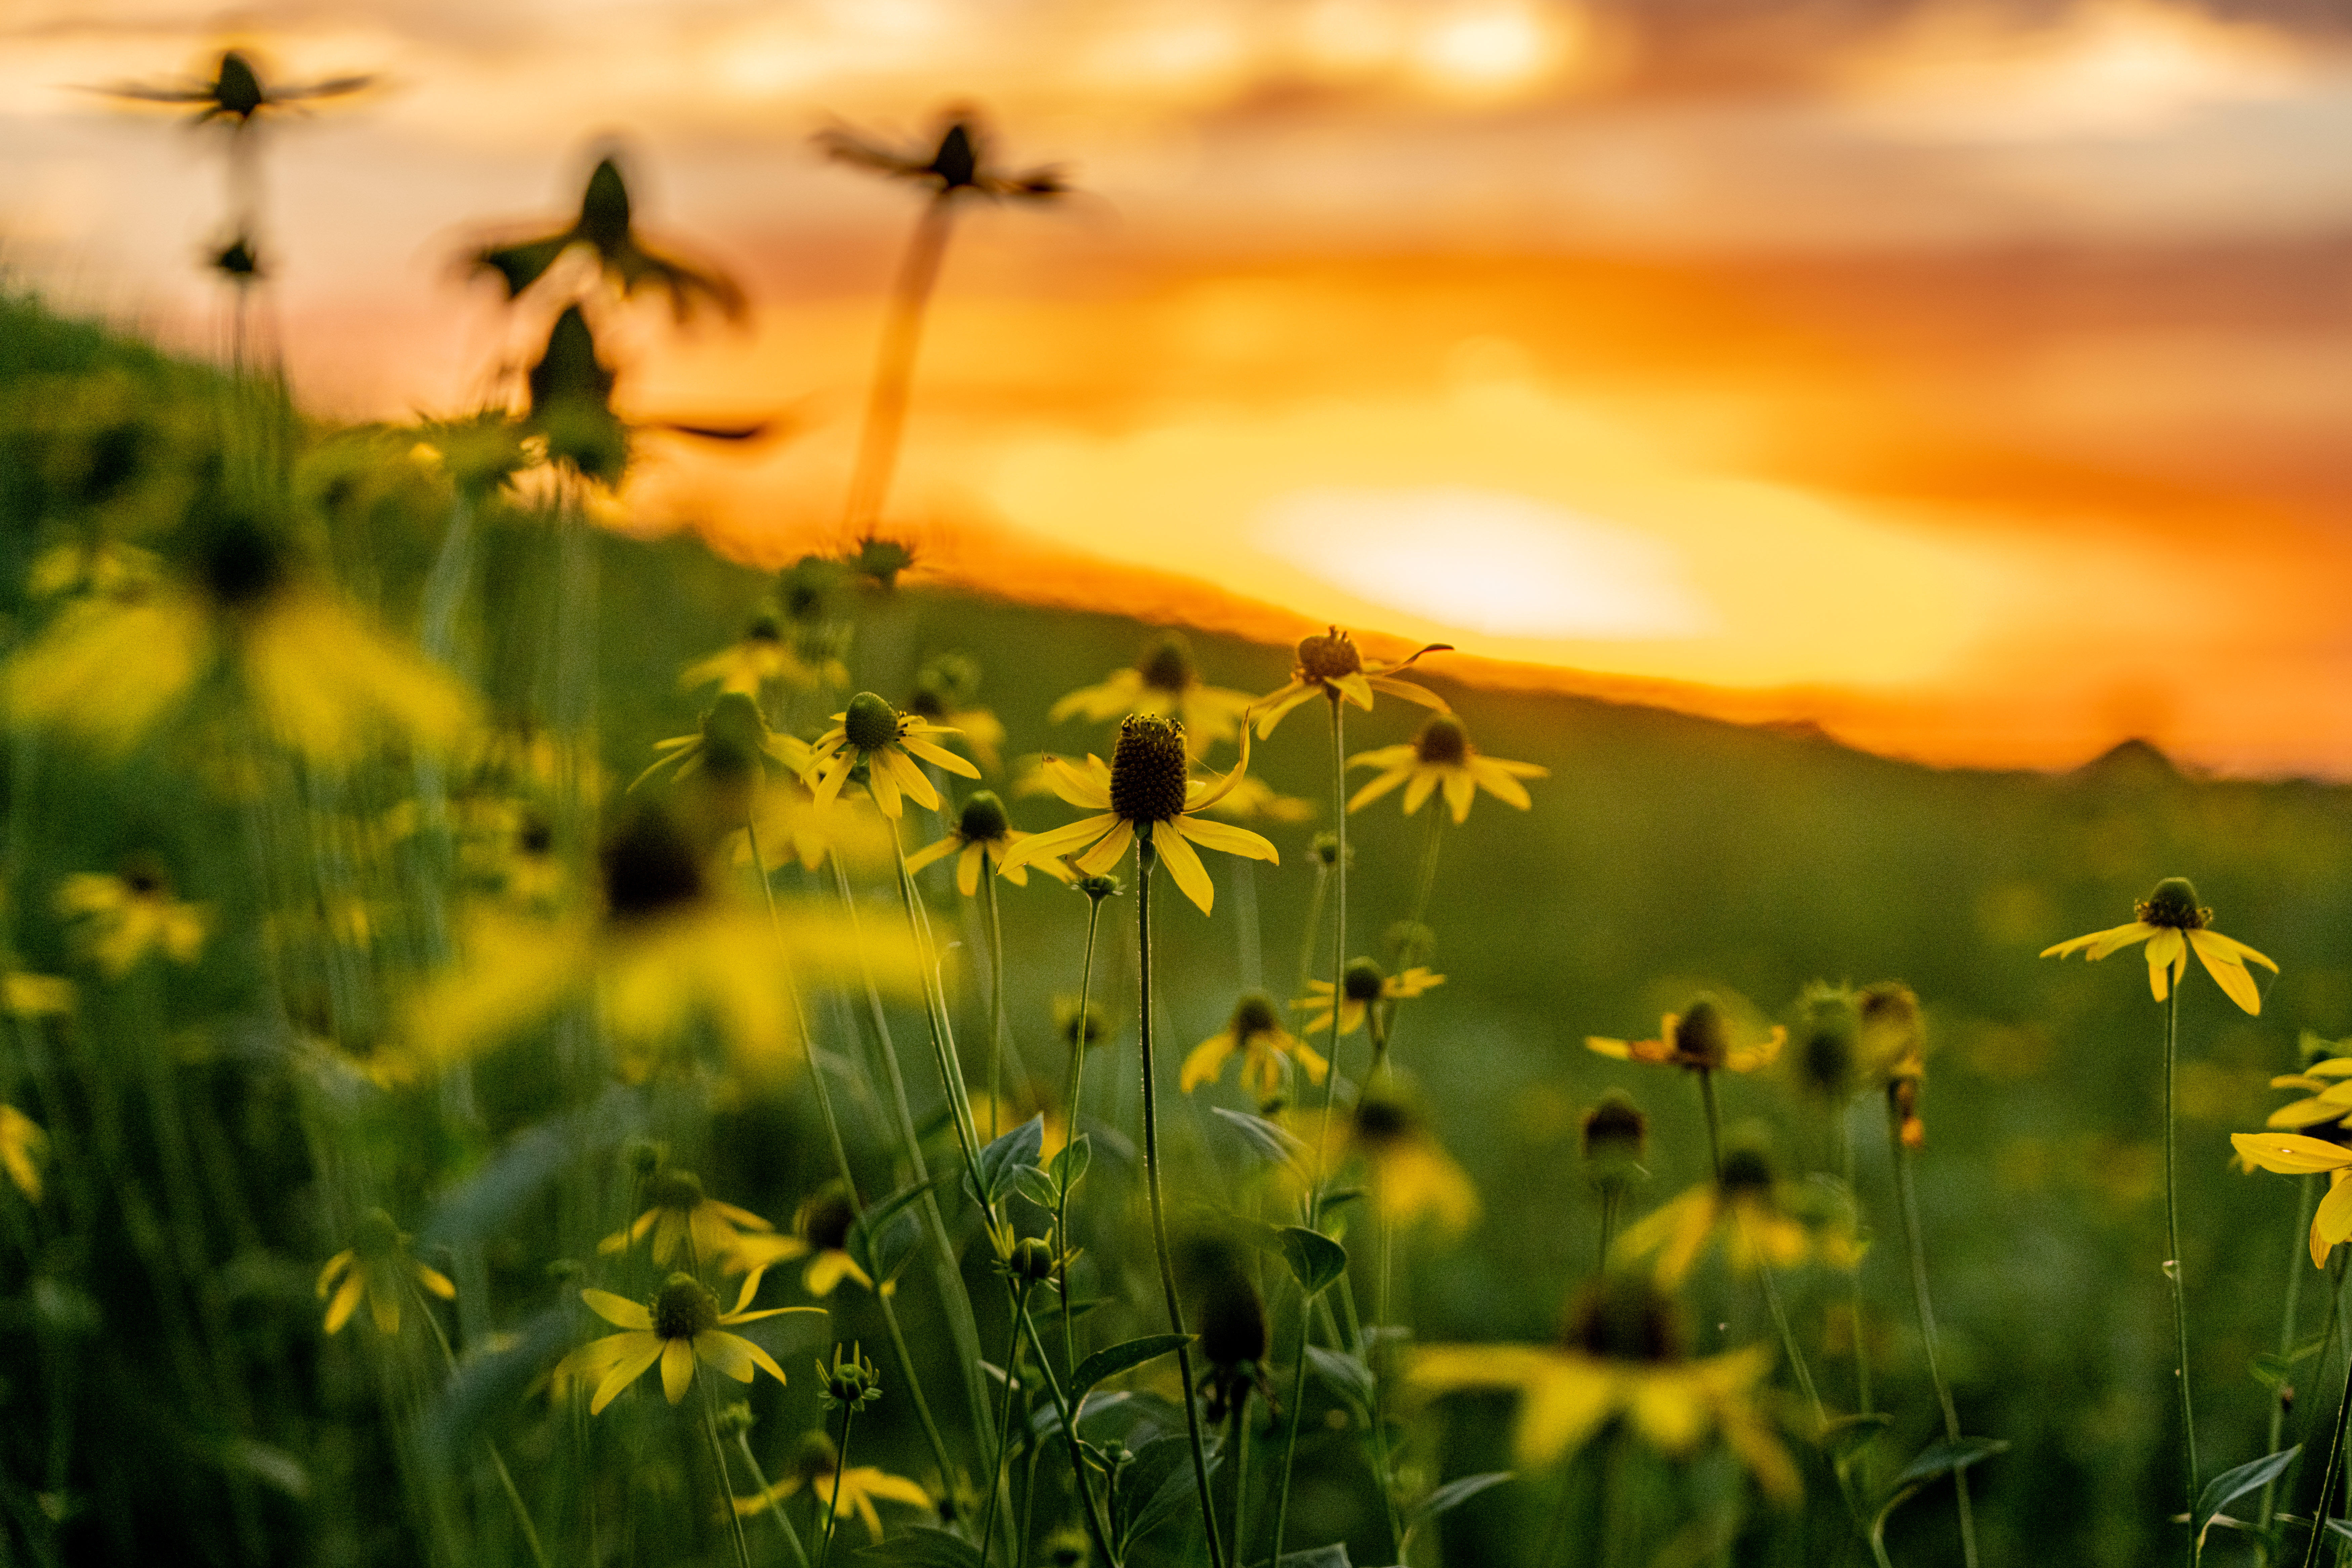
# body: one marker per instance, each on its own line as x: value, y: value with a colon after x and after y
x: 1616, y: 1137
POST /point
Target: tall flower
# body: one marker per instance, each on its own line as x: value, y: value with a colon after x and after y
x: 1327, y: 665
x: 376, y: 1268
x: 1412, y: 1176
x: 680, y: 1327
x: 1161, y: 681
x: 981, y: 840
x: 1747, y: 1212
x: 818, y: 1467
x: 1623, y: 1352
x: 679, y: 1213
x: 606, y: 229
x: 1146, y: 788
x: 1699, y: 1038
x: 946, y: 693
x: 1362, y: 985
x: 1267, y: 1048
x: 760, y: 659
x: 125, y: 917
x: 872, y: 733
x: 2171, y: 923
x: 1441, y: 756
x: 238, y: 95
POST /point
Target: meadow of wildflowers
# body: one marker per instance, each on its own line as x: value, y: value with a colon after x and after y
x: 528, y: 1045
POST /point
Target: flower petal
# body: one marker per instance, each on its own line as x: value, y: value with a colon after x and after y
x: 640, y: 1351
x: 1184, y: 865
x: 1106, y: 850
x: 619, y: 1311
x: 677, y: 1368
x: 2290, y: 1153
x: 1067, y: 839
x: 2218, y: 955
x: 1205, y: 1063
x: 1227, y: 839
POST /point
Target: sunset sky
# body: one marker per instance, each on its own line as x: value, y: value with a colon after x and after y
x: 1974, y: 381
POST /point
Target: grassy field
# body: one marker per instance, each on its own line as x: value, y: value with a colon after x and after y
x: 219, y: 1117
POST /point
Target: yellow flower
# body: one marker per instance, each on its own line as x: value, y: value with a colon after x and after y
x: 1146, y: 788
x: 111, y: 668
x: 1442, y: 756
x: 1743, y: 1209
x: 2295, y: 1154
x: 376, y: 1265
x: 130, y: 916
x: 1361, y: 983
x: 1892, y: 1038
x: 24, y: 995
x: 1020, y: 1103
x: 982, y: 837
x: 2172, y: 923
x: 1622, y: 1354
x: 762, y: 659
x: 823, y: 1229
x: 1254, y: 799
x: 1266, y: 1049
x: 1698, y: 1039
x: 23, y: 1149
x: 682, y: 1214
x: 1327, y: 664
x: 733, y: 743
x: 1412, y: 1176
x: 946, y: 692
x: 871, y: 731
x: 678, y: 1327
x: 2326, y: 1080
x: 861, y: 1487
x: 667, y: 946
x: 1161, y: 681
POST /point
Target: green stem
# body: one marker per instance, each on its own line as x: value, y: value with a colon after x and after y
x: 1004, y: 1424
x: 775, y: 1504
x: 2295, y: 1253
x: 1915, y: 1243
x: 1240, y: 1468
x: 1863, y: 1403
x: 832, y: 1503
x: 1069, y: 1416
x: 1613, y: 1197
x: 1070, y: 1109
x: 1147, y: 861
x: 498, y: 1460
x: 2172, y: 1243
x: 894, y: 370
x: 996, y: 997
x: 726, y: 1489
x: 2321, y: 1510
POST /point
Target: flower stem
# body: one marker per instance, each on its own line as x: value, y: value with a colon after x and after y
x: 894, y: 370
x: 840, y: 1161
x: 1915, y: 1244
x: 1070, y: 1110
x: 2320, y: 1508
x: 775, y: 1504
x: 726, y: 1491
x: 2311, y: 1185
x: 996, y: 997
x: 832, y: 1503
x: 1862, y: 1403
x: 1613, y: 1197
x: 2172, y: 1243
x: 1004, y: 1423
x: 1147, y: 861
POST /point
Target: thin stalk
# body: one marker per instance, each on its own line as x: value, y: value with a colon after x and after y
x: 1307, y: 943
x: 726, y: 1489
x: 1241, y: 1476
x: 1863, y: 1402
x: 1147, y: 861
x: 1070, y: 1104
x: 1908, y: 1199
x: 894, y: 368
x: 1612, y: 1199
x: 775, y: 1504
x: 2172, y: 1244
x: 840, y: 1161
x: 1069, y: 1418
x: 995, y: 995
x: 2311, y: 1185
x: 1427, y: 879
x: 1004, y: 1424
x: 2321, y: 1510
x: 498, y: 1460
x: 832, y: 1503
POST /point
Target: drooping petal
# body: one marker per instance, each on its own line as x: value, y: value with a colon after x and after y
x: 384, y: 1303
x: 939, y: 755
x: 735, y: 1356
x: 1107, y: 850
x: 1461, y: 787
x: 1501, y: 784
x: 2168, y: 955
x: 930, y: 854
x: 968, y: 868
x: 1408, y: 691
x: 911, y: 777
x: 677, y: 1368
x: 1087, y: 788
x: 333, y: 1270
x: 1381, y: 786
x: 1205, y: 1063
x: 2290, y: 1153
x: 2331, y: 1223
x: 1417, y: 791
x: 1184, y: 865
x: 2137, y: 931
x: 619, y: 1311
x: 1227, y: 839
x: 433, y: 1280
x: 1561, y: 1407
x: 1280, y: 703
x: 1065, y: 840
x: 2219, y: 956
x: 347, y: 1301
x: 638, y: 1352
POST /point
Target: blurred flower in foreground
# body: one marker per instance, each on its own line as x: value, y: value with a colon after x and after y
x: 1266, y: 1049
x: 2327, y: 1082
x: 680, y: 1213
x: 2297, y: 1155
x: 946, y: 693
x: 1442, y: 756
x: 1623, y: 1353
x: 1412, y: 1176
x: 1743, y: 1209
x: 680, y: 1328
x: 2172, y: 924
x: 818, y: 1468
x: 129, y: 916
x: 1894, y: 1048
x: 1161, y: 681
x: 1361, y: 983
x: 760, y: 659
x: 376, y: 1265
x: 871, y: 732
x: 1148, y: 785
x: 1698, y: 1039
x: 237, y: 92
x: 606, y: 229
x: 1254, y: 799
x: 24, y: 1147
x: 110, y: 669
x: 1327, y: 665
x: 980, y: 840
x: 822, y: 1226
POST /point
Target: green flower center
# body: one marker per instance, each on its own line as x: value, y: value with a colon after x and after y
x: 683, y: 1309
x: 1033, y: 1259
x: 881, y: 560
x: 870, y: 724
x: 983, y: 818
x: 675, y: 1190
x: 1626, y: 1317
x: 1328, y: 656
x: 1700, y: 1038
x: 536, y: 836
x: 1148, y: 770
x: 1256, y: 1014
x: 1167, y: 665
x: 1361, y: 981
x: 2174, y: 904
x: 1828, y: 1055
x: 649, y: 868
x: 1443, y: 741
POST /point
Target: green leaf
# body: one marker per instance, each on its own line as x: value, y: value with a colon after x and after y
x: 1070, y: 1166
x: 1007, y: 1154
x: 1351, y: 1376
x: 1110, y: 1364
x: 1316, y: 1260
x: 920, y: 1546
x: 1155, y: 1484
x: 1038, y: 1187
x: 1939, y: 1458
x: 2230, y: 1485
x: 1271, y: 1144
x: 1848, y: 1435
x: 877, y: 1241
x: 1456, y: 1492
